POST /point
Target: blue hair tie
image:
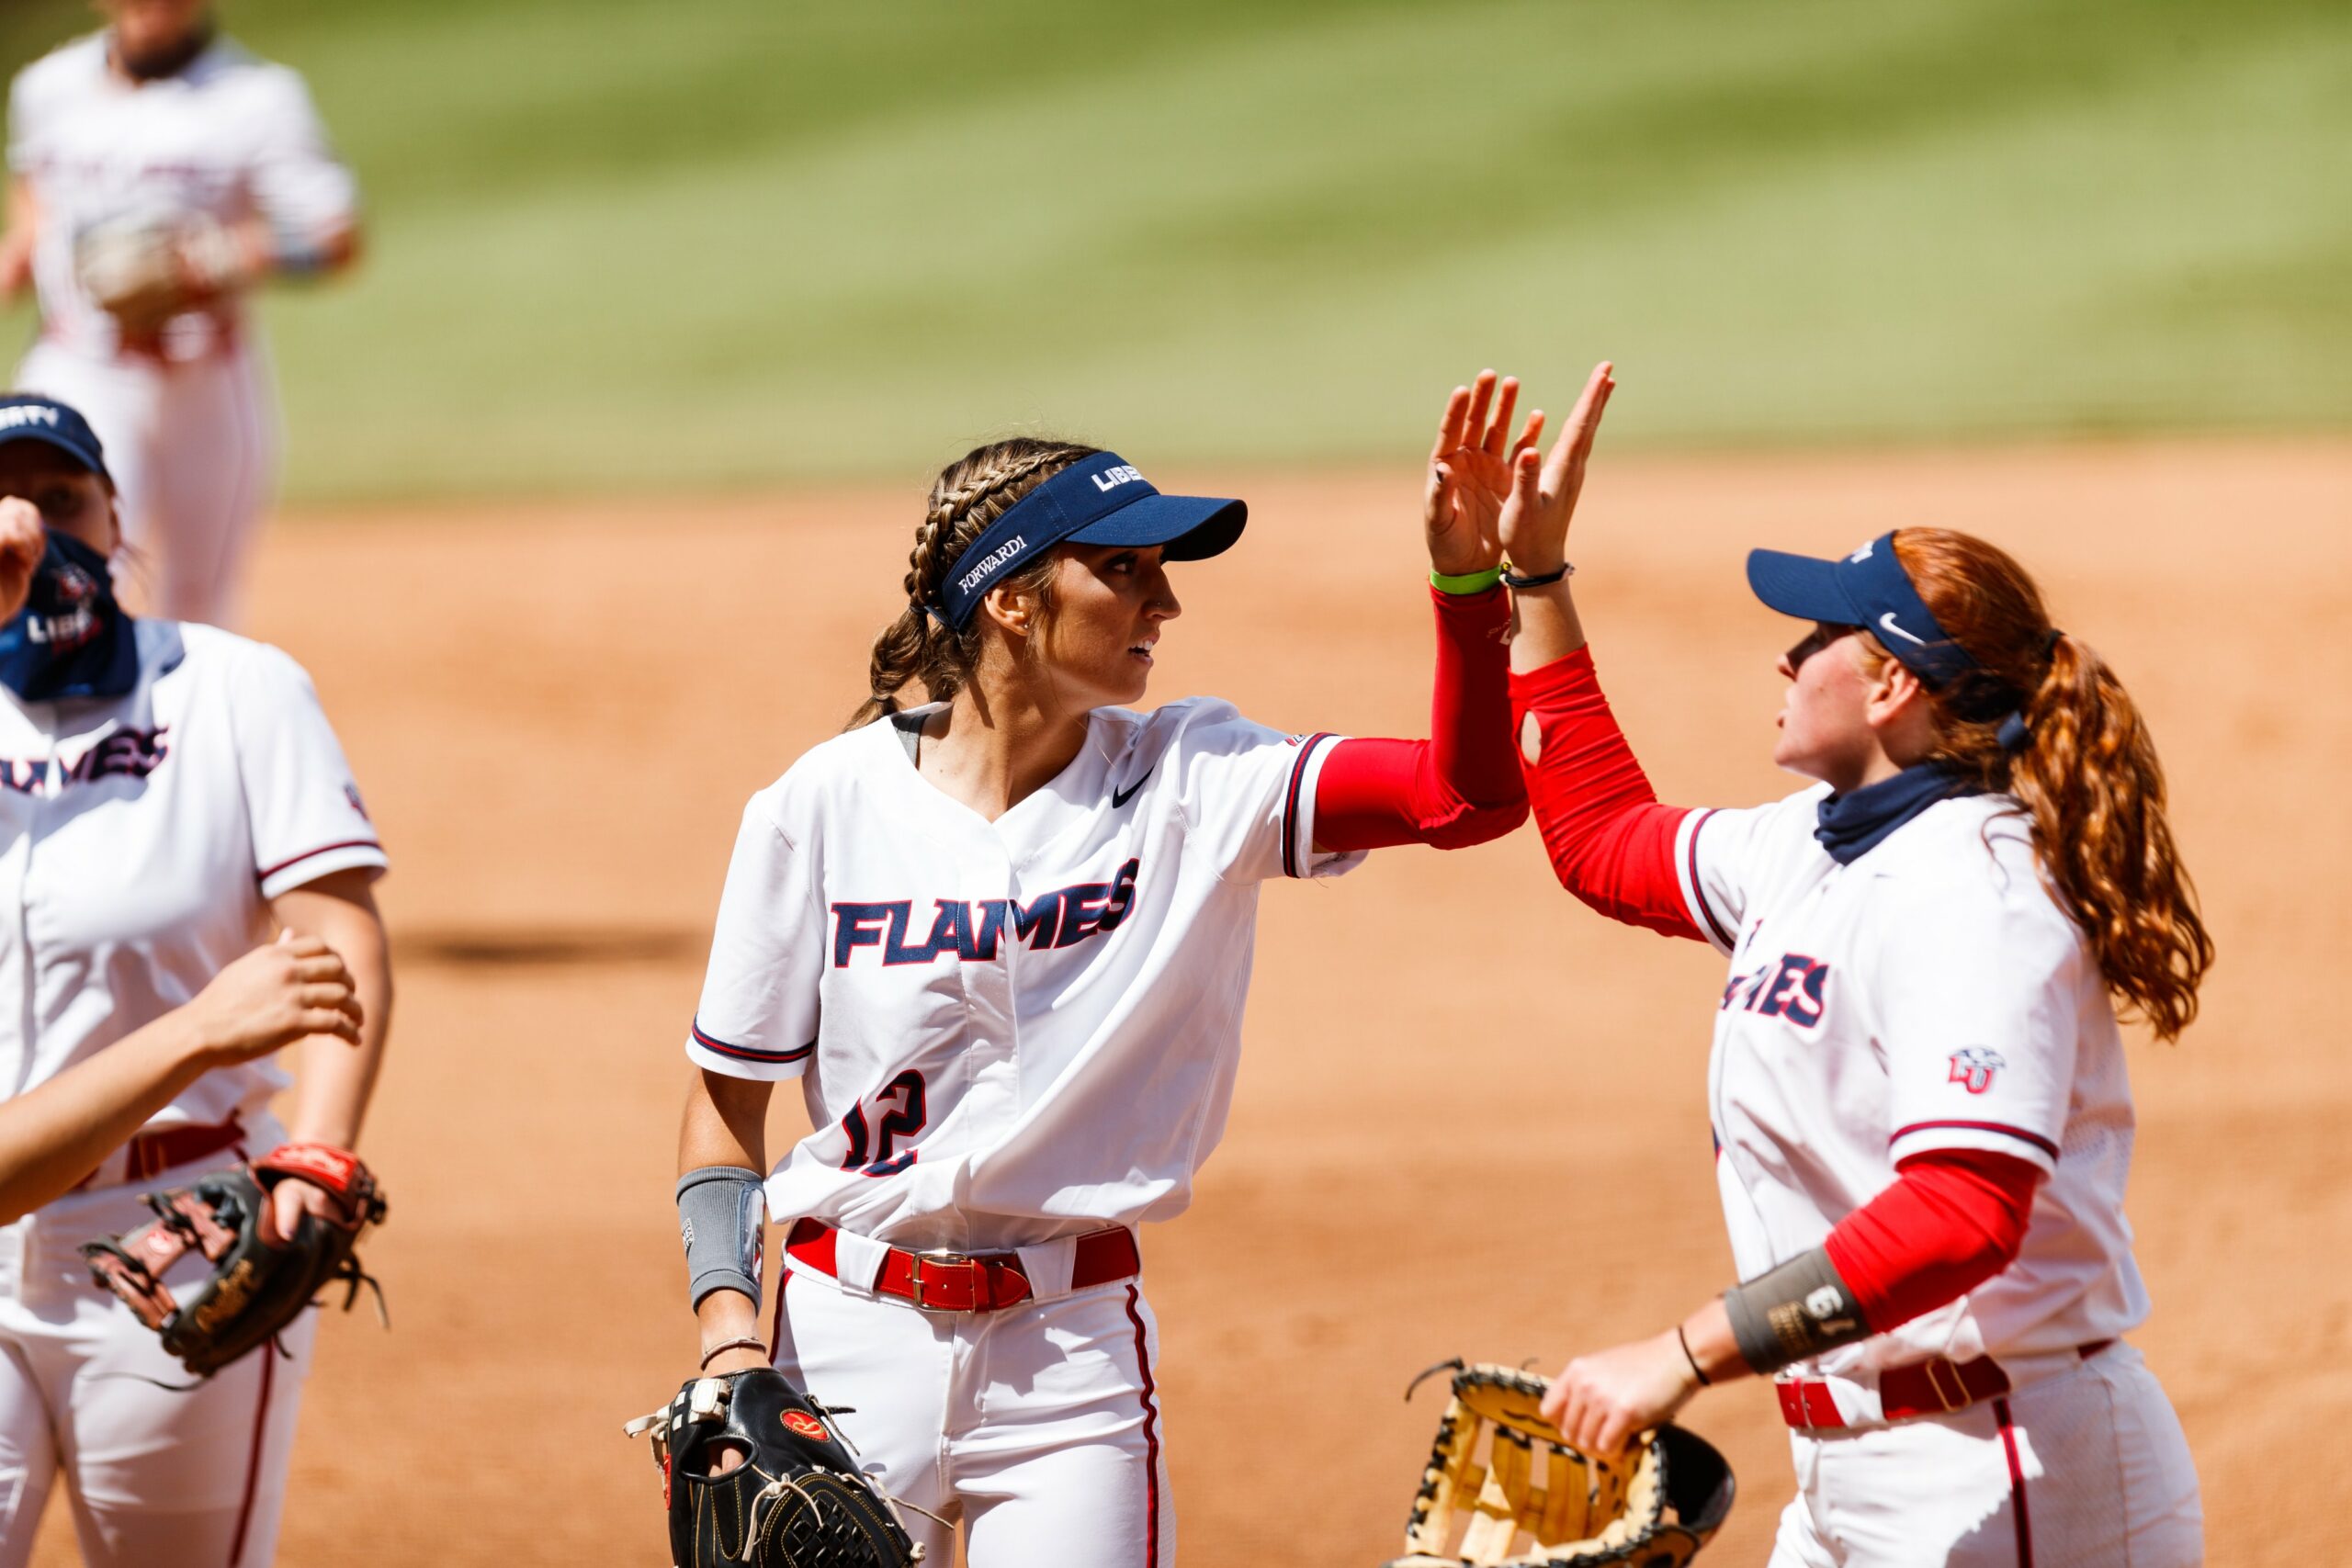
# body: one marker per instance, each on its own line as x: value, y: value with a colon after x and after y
x: 2014, y: 736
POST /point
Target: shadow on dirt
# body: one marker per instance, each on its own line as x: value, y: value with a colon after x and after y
x: 457, y: 947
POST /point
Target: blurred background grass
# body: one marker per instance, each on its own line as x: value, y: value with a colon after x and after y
x: 712, y: 243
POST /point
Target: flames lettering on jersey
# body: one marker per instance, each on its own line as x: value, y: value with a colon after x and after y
x: 1972, y: 1068
x: 127, y: 753
x: 1792, y: 985
x: 973, y: 932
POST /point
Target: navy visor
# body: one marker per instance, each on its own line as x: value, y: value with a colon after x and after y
x: 52, y: 424
x: 1101, y: 500
x: 1867, y: 589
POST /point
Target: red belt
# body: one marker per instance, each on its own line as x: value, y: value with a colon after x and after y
x: 151, y: 1154
x: 968, y: 1282
x: 1927, y: 1388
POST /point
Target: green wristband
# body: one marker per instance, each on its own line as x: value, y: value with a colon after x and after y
x: 1468, y: 583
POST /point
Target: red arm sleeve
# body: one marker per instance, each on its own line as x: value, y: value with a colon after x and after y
x: 1611, y: 843
x: 1954, y: 1219
x: 1461, y: 785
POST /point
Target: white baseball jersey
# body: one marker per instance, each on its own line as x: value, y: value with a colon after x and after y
x: 232, y: 136
x: 1929, y: 996
x: 140, y: 838
x: 1009, y: 1031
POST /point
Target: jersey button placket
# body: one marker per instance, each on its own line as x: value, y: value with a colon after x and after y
x: 22, y: 812
x: 993, y: 993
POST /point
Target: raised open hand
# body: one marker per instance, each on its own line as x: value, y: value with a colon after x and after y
x: 1470, y: 475
x: 1535, y: 516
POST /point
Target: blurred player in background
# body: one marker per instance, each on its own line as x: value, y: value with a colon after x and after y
x: 159, y: 170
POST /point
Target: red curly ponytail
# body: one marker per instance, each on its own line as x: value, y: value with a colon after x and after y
x: 2087, y: 774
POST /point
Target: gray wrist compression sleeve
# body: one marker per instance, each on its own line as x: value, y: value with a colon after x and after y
x: 1798, y: 1310
x: 721, y: 1211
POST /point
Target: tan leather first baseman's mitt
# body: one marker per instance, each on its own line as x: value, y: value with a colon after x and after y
x: 144, y: 267
x: 1652, y: 1506
x: 256, y: 1288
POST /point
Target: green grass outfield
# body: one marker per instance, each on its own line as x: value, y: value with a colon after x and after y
x: 691, y: 242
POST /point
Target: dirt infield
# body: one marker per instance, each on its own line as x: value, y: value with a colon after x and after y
x: 1470, y: 1118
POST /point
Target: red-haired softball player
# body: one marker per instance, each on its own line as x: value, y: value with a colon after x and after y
x: 1918, y: 1087
x: 1002, y: 940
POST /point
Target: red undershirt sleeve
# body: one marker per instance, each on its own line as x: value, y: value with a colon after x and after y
x: 1459, y: 787
x: 1952, y: 1219
x: 1610, y: 843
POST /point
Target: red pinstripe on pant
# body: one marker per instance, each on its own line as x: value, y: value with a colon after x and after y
x: 269, y: 1354
x: 2017, y: 1485
x: 1150, y: 1437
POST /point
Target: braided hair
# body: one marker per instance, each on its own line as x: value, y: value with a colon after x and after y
x: 969, y: 495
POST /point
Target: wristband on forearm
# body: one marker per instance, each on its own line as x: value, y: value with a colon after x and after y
x: 1793, y: 1312
x: 1467, y: 582
x: 722, y: 1210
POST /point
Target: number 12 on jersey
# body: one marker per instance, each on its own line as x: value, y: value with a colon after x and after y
x: 906, y: 1118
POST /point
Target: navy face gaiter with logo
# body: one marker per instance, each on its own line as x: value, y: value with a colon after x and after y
x: 71, y: 639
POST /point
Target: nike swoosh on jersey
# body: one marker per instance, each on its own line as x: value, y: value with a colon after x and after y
x: 1119, y: 798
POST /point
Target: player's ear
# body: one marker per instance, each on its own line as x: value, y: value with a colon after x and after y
x: 1894, y: 693
x: 1013, y: 609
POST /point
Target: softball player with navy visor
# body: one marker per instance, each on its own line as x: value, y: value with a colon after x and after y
x: 1002, y: 940
x: 1921, y: 1113
x: 171, y: 798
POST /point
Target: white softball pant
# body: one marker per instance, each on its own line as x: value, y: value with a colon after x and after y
x: 2084, y: 1469
x: 1037, y: 1429
x: 193, y: 448
x: 156, y: 1479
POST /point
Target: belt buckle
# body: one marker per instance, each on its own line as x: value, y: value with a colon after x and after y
x: 1935, y: 1384
x: 940, y: 1258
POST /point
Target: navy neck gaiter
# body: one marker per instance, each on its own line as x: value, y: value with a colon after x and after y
x: 71, y: 639
x: 1853, y: 825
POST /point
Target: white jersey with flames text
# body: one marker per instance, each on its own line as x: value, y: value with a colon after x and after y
x: 141, y: 840
x: 1929, y: 996
x: 1015, y: 1030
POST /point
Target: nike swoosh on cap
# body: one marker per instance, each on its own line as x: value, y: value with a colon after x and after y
x: 1121, y: 797
x: 1887, y: 621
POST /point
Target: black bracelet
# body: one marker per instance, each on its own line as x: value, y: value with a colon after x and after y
x: 1684, y: 1340
x: 1539, y: 579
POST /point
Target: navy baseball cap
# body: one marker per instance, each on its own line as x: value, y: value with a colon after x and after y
x: 32, y: 418
x: 1866, y: 589
x: 1101, y: 500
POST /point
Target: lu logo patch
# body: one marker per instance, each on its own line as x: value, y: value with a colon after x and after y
x: 1972, y: 1068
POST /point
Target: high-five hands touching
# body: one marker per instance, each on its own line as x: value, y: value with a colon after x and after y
x: 1534, y: 522
x: 1470, y: 475
x: 1535, y: 531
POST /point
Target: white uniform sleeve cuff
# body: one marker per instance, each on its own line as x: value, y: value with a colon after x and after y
x: 1694, y: 892
x: 1995, y: 1137
x: 711, y: 1053
x: 1299, y: 855
x: 324, y: 861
